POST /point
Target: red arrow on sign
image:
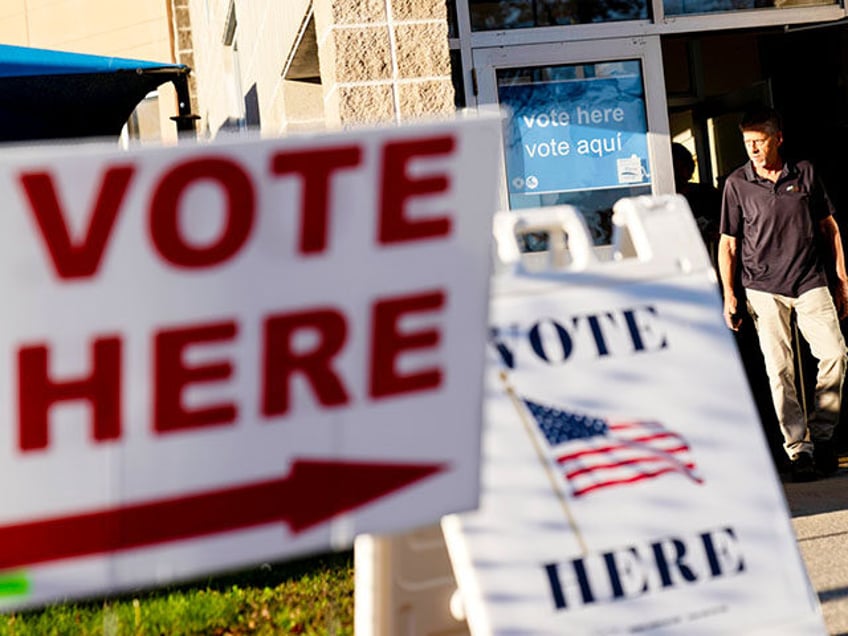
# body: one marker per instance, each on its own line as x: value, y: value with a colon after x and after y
x: 313, y: 492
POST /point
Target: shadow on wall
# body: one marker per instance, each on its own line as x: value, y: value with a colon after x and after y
x: 251, y: 108
x: 250, y: 121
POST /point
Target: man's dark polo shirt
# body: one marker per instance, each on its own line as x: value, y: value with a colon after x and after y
x: 776, y: 227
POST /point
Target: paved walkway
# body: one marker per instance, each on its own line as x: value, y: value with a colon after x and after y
x: 820, y: 516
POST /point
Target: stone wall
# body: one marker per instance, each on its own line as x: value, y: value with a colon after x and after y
x: 373, y: 60
x: 383, y: 59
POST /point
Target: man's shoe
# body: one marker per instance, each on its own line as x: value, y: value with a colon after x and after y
x: 803, y: 468
x: 825, y: 457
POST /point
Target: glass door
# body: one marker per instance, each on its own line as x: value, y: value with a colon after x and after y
x: 585, y: 124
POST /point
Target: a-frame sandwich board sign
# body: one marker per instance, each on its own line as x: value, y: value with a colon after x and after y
x: 627, y: 486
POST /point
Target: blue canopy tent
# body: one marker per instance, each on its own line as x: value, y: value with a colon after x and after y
x: 57, y: 95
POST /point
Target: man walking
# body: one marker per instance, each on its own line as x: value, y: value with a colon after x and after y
x: 778, y: 233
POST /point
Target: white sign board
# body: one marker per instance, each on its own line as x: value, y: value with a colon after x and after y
x: 627, y: 486
x: 217, y: 355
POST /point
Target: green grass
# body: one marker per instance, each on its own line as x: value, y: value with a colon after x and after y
x: 309, y: 597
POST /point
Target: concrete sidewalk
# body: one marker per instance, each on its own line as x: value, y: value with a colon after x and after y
x: 820, y: 516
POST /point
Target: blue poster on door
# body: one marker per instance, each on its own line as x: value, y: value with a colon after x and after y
x: 576, y: 134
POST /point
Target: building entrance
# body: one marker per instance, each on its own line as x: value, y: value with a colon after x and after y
x: 802, y: 71
x: 711, y: 78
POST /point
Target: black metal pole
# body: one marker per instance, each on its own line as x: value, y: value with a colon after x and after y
x: 185, y: 119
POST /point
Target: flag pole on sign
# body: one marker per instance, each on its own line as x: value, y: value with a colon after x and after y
x: 555, y: 482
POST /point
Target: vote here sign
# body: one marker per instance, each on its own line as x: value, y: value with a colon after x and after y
x: 576, y: 134
x: 215, y: 355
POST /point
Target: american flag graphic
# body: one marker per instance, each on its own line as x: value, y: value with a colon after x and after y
x: 594, y: 453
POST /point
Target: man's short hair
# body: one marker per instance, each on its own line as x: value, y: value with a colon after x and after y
x: 761, y: 119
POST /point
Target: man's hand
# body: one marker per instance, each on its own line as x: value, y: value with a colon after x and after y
x: 840, y: 298
x: 731, y: 313
x: 839, y: 290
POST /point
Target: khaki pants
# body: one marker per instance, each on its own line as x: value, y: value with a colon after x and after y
x: 819, y: 324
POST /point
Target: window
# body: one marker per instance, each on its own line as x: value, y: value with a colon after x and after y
x: 680, y: 7
x: 235, y: 120
x: 487, y: 15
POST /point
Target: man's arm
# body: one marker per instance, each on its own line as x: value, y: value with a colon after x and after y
x: 830, y: 232
x: 727, y: 270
